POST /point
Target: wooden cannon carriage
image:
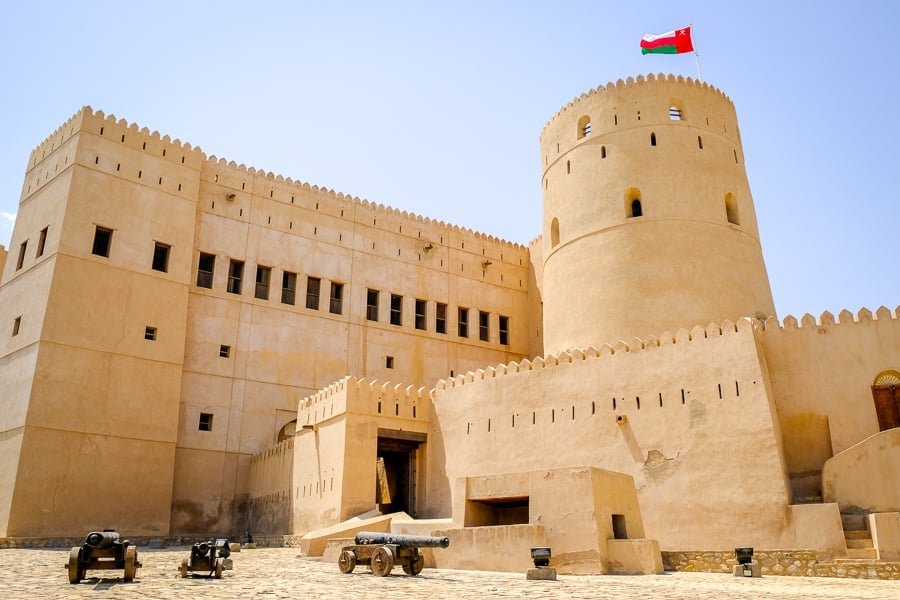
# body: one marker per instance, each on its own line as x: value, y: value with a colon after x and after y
x: 381, y: 552
x: 103, y: 550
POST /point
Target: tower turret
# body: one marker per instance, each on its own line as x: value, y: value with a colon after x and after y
x: 648, y: 224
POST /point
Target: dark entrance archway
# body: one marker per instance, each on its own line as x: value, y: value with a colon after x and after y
x: 886, y: 393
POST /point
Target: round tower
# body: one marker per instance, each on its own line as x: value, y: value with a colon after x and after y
x: 649, y: 224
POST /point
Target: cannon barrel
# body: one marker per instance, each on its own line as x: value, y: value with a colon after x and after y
x: 101, y: 539
x: 404, y: 541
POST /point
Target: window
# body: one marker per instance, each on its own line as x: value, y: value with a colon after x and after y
x: 602, y: 151
x: 224, y: 351
x: 484, y: 320
x: 17, y: 323
x: 150, y: 333
x: 102, y: 241
x: 421, y: 308
x: 312, y: 292
x: 288, y: 287
x: 389, y: 362
x: 205, y: 268
x: 235, y: 275
x: 161, y: 257
x: 396, y: 309
x: 206, y: 420
x: 440, y: 318
x: 463, y: 322
x: 504, y: 330
x: 336, y: 303
x: 21, y: 260
x: 263, y: 275
x: 731, y: 209
x: 42, y: 241
x: 584, y: 126
x: 372, y: 305
x: 674, y: 113
x: 636, y: 210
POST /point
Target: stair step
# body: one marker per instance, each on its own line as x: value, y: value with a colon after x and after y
x: 860, y: 543
x: 808, y: 500
x: 857, y: 534
x: 862, y: 553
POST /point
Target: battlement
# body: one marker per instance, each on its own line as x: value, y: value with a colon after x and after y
x: 635, y: 82
x: 282, y: 448
x: 362, y: 396
x: 827, y: 320
x: 649, y: 343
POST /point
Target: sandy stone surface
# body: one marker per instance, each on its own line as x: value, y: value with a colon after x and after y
x: 281, y: 573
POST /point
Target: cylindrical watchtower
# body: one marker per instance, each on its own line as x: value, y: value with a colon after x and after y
x: 649, y: 224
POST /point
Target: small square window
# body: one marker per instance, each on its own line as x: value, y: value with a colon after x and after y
x: 17, y: 322
x: 206, y: 420
x: 161, y: 257
x: 389, y: 362
x: 224, y: 351
x: 150, y: 333
x: 102, y: 241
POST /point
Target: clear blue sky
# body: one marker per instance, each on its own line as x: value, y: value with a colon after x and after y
x: 437, y: 108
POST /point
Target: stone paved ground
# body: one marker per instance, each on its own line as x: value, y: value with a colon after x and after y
x: 271, y: 573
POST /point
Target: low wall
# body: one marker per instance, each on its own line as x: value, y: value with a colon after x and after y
x: 271, y: 471
x: 781, y: 562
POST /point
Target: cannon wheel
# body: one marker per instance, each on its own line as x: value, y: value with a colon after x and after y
x: 220, y: 566
x: 130, y: 563
x: 76, y: 573
x: 416, y: 564
x: 347, y: 561
x: 183, y: 569
x: 382, y: 561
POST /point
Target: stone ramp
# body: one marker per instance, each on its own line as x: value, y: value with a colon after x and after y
x: 314, y: 542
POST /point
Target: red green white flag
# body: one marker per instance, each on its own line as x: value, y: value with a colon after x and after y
x: 671, y: 42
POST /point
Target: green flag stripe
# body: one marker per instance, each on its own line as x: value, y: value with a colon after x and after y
x: 660, y: 50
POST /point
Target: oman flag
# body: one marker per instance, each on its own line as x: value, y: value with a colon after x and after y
x: 672, y: 42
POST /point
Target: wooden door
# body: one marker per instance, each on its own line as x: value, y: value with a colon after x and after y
x: 887, y: 406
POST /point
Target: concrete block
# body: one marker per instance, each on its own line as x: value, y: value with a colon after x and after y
x: 753, y: 569
x: 541, y: 574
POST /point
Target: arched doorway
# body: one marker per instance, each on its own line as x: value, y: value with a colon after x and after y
x: 886, y: 393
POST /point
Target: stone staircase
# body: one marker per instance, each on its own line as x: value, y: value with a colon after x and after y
x: 858, y: 537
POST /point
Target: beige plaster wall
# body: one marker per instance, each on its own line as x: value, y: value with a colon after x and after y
x: 885, y: 528
x: 3, y: 255
x: 709, y: 471
x: 270, y: 475
x: 680, y: 263
x: 866, y: 475
x: 825, y: 369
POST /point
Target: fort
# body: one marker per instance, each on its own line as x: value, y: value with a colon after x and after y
x: 189, y: 345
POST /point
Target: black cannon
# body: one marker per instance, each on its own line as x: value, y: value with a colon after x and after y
x: 381, y: 551
x: 103, y: 550
x: 207, y: 557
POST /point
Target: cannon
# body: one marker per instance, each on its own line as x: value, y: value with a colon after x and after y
x: 382, y: 551
x: 207, y: 557
x: 103, y: 550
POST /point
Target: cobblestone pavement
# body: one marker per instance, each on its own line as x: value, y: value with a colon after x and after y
x: 281, y: 573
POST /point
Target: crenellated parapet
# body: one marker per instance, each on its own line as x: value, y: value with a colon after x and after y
x: 827, y: 320
x: 365, y: 397
x: 634, y: 345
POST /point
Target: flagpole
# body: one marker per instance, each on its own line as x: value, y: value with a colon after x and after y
x: 699, y: 72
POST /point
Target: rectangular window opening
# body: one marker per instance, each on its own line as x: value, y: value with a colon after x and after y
x: 484, y: 319
x: 462, y: 323
x: 396, y: 309
x: 205, y: 267
x: 372, y: 305
x: 313, y: 285
x: 42, y: 241
x: 161, y: 257
x: 421, y: 307
x: 21, y: 260
x: 389, y: 362
x: 440, y: 318
x: 504, y: 330
x: 618, y: 526
x: 288, y: 287
x: 102, y: 241
x: 17, y: 323
x: 263, y: 276
x: 206, y: 421
x: 336, y: 300
x: 224, y: 351
x: 150, y: 333
x: 235, y: 276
